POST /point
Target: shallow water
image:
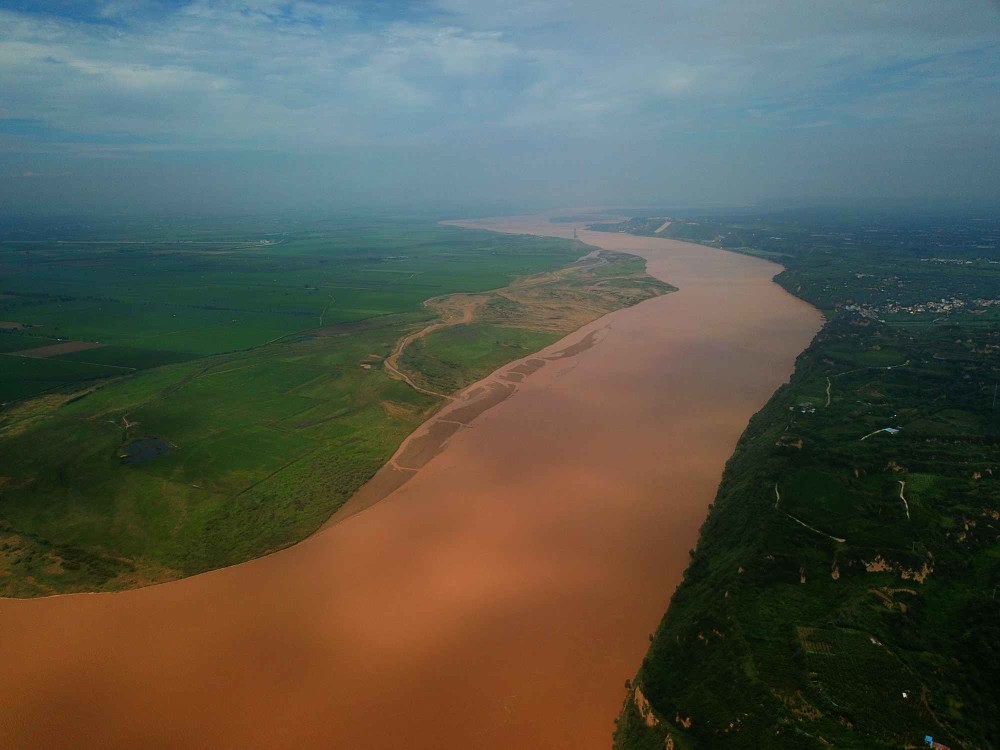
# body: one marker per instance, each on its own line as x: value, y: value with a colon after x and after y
x: 499, y: 598
x: 144, y: 449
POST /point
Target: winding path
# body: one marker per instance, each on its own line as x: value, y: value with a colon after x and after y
x: 468, y: 310
x: 391, y: 363
x: 800, y: 522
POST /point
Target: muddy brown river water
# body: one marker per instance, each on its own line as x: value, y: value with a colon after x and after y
x: 499, y: 598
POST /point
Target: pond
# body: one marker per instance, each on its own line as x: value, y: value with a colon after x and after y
x: 144, y: 449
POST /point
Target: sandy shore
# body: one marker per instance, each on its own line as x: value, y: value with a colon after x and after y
x: 497, y: 599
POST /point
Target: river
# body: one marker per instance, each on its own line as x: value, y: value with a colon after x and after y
x: 499, y: 598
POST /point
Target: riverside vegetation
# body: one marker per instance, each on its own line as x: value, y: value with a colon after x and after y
x: 174, y: 406
x: 844, y: 589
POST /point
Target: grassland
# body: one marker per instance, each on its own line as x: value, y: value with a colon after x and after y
x: 843, y: 592
x: 151, y: 302
x: 257, y: 368
x: 526, y: 316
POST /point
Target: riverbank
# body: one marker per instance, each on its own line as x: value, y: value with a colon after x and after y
x: 499, y: 598
x: 855, y: 530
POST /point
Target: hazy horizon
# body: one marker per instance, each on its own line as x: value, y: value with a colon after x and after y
x: 125, y: 107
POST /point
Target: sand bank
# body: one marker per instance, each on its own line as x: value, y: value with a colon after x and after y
x: 498, y: 598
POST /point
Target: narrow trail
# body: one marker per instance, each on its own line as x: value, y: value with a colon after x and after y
x: 902, y: 486
x: 471, y: 307
x: 777, y: 496
x: 814, y: 529
x: 872, y: 434
x: 322, y: 315
x: 829, y: 385
x: 391, y: 363
x: 861, y: 369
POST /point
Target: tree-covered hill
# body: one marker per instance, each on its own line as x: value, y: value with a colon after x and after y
x: 844, y: 589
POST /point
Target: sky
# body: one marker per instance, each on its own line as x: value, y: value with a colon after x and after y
x: 166, y: 106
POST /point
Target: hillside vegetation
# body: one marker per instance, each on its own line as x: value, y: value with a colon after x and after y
x: 844, y: 589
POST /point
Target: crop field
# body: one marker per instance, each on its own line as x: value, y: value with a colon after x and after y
x: 844, y: 589
x: 239, y: 394
x: 150, y: 303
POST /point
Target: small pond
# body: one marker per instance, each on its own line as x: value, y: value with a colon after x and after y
x: 144, y: 449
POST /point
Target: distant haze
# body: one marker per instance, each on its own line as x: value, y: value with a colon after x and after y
x: 130, y: 106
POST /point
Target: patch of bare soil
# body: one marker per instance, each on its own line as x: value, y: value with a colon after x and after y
x: 427, y: 444
x: 558, y: 301
x: 54, y: 350
x: 466, y: 410
x: 387, y: 480
x: 398, y: 411
x: 528, y: 367
x: 572, y: 350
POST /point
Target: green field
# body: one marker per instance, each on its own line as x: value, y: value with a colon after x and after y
x: 456, y: 357
x: 255, y: 371
x: 526, y: 317
x: 781, y: 636
x: 157, y: 302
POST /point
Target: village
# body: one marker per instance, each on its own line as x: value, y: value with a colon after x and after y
x: 941, y: 306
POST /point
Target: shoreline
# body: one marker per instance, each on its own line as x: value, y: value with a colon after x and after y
x: 390, y: 476
x: 497, y: 599
x: 470, y: 402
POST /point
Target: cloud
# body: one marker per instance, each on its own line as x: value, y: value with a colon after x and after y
x: 315, y: 77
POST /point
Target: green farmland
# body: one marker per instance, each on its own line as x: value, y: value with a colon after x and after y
x: 151, y: 303
x: 238, y: 396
